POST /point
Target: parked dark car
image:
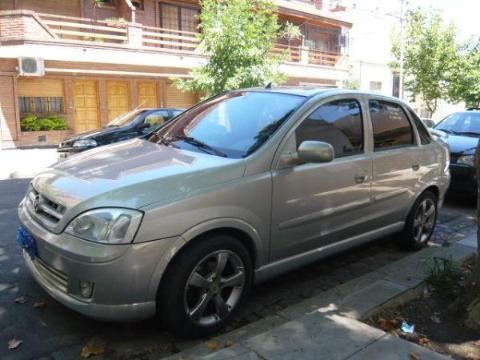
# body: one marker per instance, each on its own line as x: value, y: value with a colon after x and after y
x: 136, y: 123
x: 461, y: 131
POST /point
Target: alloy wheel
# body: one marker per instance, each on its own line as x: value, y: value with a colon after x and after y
x: 424, y: 220
x: 214, y: 287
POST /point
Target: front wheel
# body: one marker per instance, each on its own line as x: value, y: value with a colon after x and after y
x: 420, y: 222
x: 204, y: 287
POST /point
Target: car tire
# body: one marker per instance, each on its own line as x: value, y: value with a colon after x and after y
x: 204, y: 286
x: 420, y: 222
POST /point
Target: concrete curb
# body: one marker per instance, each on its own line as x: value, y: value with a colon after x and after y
x: 328, y: 325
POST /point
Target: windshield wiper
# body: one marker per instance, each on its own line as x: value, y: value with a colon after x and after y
x: 448, y: 131
x: 468, y: 133
x: 198, y: 143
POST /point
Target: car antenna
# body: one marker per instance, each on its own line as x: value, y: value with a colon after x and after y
x: 269, y: 85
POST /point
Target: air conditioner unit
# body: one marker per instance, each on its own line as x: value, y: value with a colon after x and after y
x: 30, y: 66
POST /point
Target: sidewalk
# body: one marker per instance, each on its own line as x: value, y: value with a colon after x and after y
x: 25, y: 163
x: 328, y: 326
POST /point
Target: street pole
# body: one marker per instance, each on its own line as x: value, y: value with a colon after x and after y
x: 402, y: 48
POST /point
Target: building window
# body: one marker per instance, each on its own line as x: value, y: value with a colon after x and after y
x: 319, y: 38
x: 138, y: 4
x: 376, y: 85
x: 396, y: 85
x: 176, y: 17
x: 41, y: 104
x: 105, y: 3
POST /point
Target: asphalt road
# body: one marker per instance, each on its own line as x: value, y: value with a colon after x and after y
x: 55, y: 332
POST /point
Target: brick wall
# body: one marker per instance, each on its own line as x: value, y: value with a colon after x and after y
x: 30, y: 138
x: 8, y: 120
x: 22, y: 25
x: 60, y: 7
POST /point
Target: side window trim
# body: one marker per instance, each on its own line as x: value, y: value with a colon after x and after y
x: 410, y: 114
x: 415, y: 136
x: 284, y: 145
x: 360, y: 105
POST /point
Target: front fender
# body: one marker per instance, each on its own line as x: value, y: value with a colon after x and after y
x: 199, y: 229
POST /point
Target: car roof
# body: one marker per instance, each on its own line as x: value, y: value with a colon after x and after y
x: 309, y: 91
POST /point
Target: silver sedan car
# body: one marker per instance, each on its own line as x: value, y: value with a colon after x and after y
x: 242, y: 187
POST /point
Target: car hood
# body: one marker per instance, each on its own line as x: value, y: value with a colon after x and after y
x: 460, y: 143
x: 133, y: 174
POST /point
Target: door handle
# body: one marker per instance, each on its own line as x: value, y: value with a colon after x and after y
x: 360, y: 179
x: 415, y: 167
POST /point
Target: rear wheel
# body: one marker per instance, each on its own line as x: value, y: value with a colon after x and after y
x: 420, y: 222
x: 204, y: 287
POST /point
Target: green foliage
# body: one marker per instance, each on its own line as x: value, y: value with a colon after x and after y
x: 350, y: 84
x: 290, y: 32
x: 443, y: 276
x: 238, y: 36
x: 430, y: 57
x: 465, y: 83
x: 33, y: 123
x: 116, y: 21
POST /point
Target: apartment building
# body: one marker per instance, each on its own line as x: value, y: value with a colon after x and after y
x: 89, y: 61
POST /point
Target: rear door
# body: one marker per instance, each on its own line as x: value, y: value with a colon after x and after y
x: 316, y: 204
x: 397, y: 164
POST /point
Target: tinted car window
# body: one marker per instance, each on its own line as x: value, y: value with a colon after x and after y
x: 391, y: 127
x: 157, y: 118
x: 422, y: 131
x: 234, y: 124
x: 461, y: 123
x: 338, y: 123
x: 177, y: 112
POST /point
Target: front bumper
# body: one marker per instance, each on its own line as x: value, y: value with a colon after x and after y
x: 125, y: 278
x: 463, y: 179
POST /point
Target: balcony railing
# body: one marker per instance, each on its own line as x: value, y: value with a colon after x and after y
x: 67, y: 29
x: 83, y: 29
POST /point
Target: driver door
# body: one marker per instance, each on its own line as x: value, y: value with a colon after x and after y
x: 317, y: 204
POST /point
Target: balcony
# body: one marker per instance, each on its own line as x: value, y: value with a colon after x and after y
x: 24, y: 26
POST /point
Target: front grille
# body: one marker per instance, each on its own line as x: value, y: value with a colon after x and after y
x: 53, y: 276
x: 45, y: 210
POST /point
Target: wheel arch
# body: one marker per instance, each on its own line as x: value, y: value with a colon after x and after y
x: 241, y: 230
x: 435, y: 189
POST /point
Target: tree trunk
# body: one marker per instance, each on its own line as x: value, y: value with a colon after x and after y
x: 473, y: 287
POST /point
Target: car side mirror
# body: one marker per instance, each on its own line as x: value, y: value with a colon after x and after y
x: 143, y: 127
x: 315, y: 152
x: 429, y: 123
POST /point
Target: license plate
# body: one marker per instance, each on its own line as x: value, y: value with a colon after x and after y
x: 27, y: 242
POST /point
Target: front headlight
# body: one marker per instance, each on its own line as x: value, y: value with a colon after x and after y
x: 108, y: 226
x: 84, y: 143
x: 466, y: 160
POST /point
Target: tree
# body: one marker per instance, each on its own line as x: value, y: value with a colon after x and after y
x: 465, y: 83
x: 430, y: 56
x: 238, y: 36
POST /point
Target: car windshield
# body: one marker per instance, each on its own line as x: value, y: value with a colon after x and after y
x: 126, y: 118
x: 461, y: 123
x: 233, y: 125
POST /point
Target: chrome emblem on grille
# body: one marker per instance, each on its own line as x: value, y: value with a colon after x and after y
x: 36, y: 202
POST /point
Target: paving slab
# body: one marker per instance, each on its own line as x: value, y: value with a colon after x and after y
x: 330, y: 300
x: 470, y: 241
x: 234, y: 337
x: 359, y: 303
x: 393, y: 348
x: 234, y: 352
x: 312, y: 336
